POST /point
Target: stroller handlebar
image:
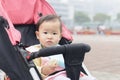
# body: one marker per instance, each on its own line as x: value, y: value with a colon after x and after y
x: 63, y: 49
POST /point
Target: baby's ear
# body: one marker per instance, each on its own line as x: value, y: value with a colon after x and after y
x: 37, y: 34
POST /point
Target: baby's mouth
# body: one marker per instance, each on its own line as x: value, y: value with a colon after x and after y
x: 49, y: 42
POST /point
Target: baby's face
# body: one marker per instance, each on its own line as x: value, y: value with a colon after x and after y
x: 49, y: 33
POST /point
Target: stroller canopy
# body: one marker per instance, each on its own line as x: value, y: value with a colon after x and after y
x: 27, y: 12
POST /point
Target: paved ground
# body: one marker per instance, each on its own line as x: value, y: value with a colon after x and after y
x: 103, y: 61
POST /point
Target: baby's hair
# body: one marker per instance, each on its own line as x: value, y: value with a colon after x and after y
x: 46, y: 18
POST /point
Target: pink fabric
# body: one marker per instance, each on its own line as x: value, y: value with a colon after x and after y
x: 26, y: 12
x: 21, y: 11
x: 13, y: 34
x: 62, y: 76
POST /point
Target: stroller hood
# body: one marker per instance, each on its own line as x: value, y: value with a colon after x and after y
x: 13, y: 34
x: 30, y: 16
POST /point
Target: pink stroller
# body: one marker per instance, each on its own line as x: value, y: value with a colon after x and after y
x: 13, y: 59
x: 18, y: 65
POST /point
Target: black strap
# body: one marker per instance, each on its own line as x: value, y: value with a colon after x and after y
x: 56, y: 72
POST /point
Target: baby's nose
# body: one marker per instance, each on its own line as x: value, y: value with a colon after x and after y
x: 49, y: 36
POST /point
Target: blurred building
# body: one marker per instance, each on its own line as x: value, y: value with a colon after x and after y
x: 65, y: 10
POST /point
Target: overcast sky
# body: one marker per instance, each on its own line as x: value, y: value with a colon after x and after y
x: 107, y: 6
x: 110, y: 6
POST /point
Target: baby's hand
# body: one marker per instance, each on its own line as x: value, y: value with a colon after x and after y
x: 49, y: 67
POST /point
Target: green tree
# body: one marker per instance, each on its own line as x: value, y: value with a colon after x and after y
x: 118, y: 17
x: 81, y: 17
x: 101, y: 17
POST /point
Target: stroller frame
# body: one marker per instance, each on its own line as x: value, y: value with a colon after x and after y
x: 22, y: 69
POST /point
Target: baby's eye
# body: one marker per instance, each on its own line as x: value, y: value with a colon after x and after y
x: 45, y: 32
x: 54, y: 33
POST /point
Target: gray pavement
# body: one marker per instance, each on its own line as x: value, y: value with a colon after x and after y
x: 103, y: 61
